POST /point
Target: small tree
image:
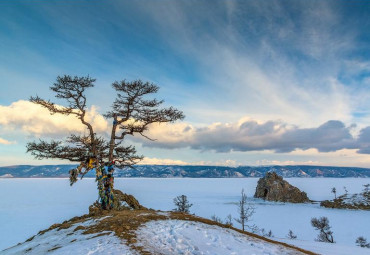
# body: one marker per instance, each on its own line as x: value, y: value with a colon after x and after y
x: 291, y: 235
x: 216, y: 219
x: 345, y: 190
x: 263, y: 232
x: 245, y: 210
x: 182, y: 204
x: 334, y: 191
x: 132, y: 112
x: 269, y: 234
x: 362, y: 242
x: 229, y: 220
x: 322, y: 224
x: 366, y: 188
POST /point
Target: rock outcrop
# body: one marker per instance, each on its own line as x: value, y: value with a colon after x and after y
x: 126, y: 201
x: 360, y: 201
x: 272, y: 187
x: 122, y: 201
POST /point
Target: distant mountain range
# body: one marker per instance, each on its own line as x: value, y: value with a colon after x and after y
x: 174, y: 171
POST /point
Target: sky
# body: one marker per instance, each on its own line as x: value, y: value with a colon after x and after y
x: 260, y: 82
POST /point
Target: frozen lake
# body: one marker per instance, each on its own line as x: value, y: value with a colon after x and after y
x: 30, y: 205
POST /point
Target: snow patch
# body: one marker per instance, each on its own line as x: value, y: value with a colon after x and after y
x: 357, y: 199
x: 167, y: 214
x: 187, y: 237
x: 6, y: 176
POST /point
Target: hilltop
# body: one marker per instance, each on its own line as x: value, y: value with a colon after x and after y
x: 148, y: 232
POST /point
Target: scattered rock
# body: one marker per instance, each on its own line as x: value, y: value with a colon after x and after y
x: 272, y: 187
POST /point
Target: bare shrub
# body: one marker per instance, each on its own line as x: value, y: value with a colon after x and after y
x: 182, y: 204
x: 322, y: 224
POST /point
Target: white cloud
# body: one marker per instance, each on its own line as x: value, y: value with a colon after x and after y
x: 36, y: 120
x: 160, y: 161
x: 226, y: 162
x: 6, y: 142
x: 267, y: 162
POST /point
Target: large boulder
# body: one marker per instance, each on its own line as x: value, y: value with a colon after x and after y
x: 272, y: 187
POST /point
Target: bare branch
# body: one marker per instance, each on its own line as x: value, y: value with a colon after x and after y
x: 52, y: 107
x: 133, y: 112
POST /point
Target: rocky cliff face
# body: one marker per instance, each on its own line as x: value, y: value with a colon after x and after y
x: 272, y: 187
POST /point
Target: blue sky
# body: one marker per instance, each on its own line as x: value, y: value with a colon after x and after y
x: 260, y: 82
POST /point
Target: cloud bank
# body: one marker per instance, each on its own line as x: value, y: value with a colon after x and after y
x: 244, y: 135
x: 251, y: 135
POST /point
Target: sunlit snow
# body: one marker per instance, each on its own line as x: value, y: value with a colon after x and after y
x: 193, y: 238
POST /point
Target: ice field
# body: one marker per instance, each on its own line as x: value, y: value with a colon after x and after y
x: 30, y: 205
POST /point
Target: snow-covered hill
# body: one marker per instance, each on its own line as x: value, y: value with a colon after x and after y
x: 147, y: 232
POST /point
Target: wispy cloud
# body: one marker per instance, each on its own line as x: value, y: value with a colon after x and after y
x: 275, y: 60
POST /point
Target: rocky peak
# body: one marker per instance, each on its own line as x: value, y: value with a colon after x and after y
x: 272, y: 187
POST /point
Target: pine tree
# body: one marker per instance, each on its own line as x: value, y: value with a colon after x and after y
x: 131, y: 113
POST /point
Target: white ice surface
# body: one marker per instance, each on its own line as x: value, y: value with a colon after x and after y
x: 326, y: 248
x: 71, y: 242
x: 30, y: 205
x: 174, y: 237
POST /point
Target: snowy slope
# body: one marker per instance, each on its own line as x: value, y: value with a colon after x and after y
x: 194, y: 238
x: 168, y: 235
x: 157, y: 237
x: 71, y: 241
